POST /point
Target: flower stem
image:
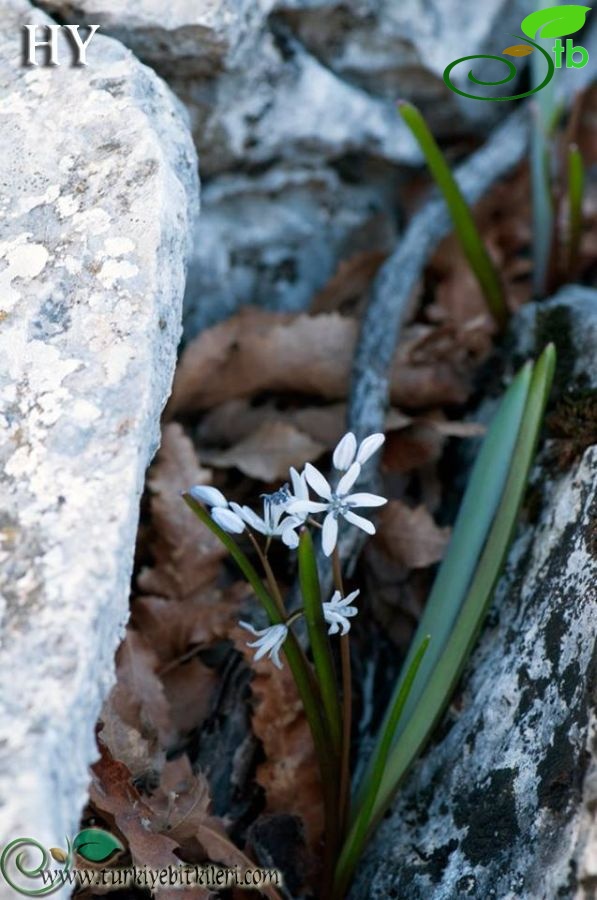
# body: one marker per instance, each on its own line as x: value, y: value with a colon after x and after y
x: 344, y: 795
x: 301, y: 672
x: 292, y: 649
x: 320, y: 646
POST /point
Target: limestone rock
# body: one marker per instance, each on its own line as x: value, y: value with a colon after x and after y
x: 502, y: 804
x: 101, y: 189
x: 275, y: 239
x: 194, y: 37
x: 279, y: 103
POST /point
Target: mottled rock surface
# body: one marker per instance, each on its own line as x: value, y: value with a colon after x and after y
x: 100, y: 192
x: 275, y: 239
x: 503, y: 803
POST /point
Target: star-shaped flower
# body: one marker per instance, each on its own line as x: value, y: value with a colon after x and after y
x: 274, y: 522
x: 336, y: 502
x: 269, y: 641
x: 338, y: 611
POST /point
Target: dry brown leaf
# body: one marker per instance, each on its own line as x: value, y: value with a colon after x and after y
x: 410, y: 536
x: 260, y: 351
x: 290, y: 774
x: 141, y: 756
x: 352, y: 278
x: 182, y: 808
x: 187, y: 555
x: 413, y: 447
x: 235, y: 420
x: 113, y: 794
x: 269, y: 452
x: 138, y: 698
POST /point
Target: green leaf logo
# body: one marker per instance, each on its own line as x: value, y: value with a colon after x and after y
x: 95, y: 844
x: 557, y: 21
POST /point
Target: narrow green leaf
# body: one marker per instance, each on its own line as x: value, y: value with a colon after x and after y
x: 464, y: 224
x: 555, y: 21
x: 320, y: 646
x: 448, y: 668
x: 576, y: 179
x: 357, y: 837
x: 469, y: 534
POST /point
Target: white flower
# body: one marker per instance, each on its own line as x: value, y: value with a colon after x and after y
x: 220, y: 509
x: 269, y: 641
x: 274, y: 523
x: 336, y: 502
x: 338, y: 611
x: 346, y: 452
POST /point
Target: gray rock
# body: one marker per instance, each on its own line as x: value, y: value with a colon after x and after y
x: 100, y: 192
x: 279, y: 103
x: 274, y: 240
x: 196, y: 37
x: 502, y: 804
x: 400, y: 50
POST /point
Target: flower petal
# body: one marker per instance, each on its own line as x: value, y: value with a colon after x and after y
x: 329, y: 534
x: 290, y: 537
x: 318, y: 482
x: 352, y: 596
x: 247, y: 515
x: 345, y: 452
x: 347, y: 480
x: 360, y: 522
x: 211, y: 496
x: 249, y: 627
x: 369, y: 446
x: 365, y: 499
x: 227, y: 520
x: 300, y: 490
x: 299, y: 507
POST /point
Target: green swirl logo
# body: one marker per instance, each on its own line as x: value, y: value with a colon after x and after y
x: 555, y: 22
x: 92, y: 844
x: 14, y: 862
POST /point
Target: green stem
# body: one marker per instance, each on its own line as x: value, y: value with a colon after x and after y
x: 320, y: 645
x: 344, y: 797
x: 355, y: 842
x: 292, y: 649
x: 466, y: 229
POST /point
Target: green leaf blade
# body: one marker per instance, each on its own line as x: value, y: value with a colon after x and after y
x: 464, y: 224
x: 472, y: 525
x: 449, y: 666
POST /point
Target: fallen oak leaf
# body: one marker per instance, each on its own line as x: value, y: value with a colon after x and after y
x: 182, y: 804
x: 269, y: 452
x: 410, y: 536
x: 261, y: 351
x: 112, y: 793
x: 187, y: 555
x: 138, y: 697
x: 350, y: 281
